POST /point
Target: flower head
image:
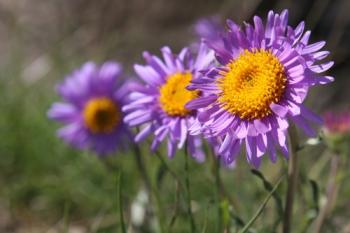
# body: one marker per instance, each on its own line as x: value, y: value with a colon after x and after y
x: 91, y: 108
x: 209, y: 28
x: 159, y: 107
x: 263, y: 79
x: 337, y: 122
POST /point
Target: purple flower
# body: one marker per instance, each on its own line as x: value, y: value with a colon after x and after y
x: 263, y: 79
x: 159, y: 107
x: 337, y: 122
x: 209, y: 29
x: 91, y: 108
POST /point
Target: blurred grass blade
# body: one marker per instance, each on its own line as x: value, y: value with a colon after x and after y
x: 120, y: 202
x: 204, y: 230
x: 161, y: 171
x: 261, y: 208
x: 313, y: 212
x: 315, y: 194
x: 66, y: 217
x: 268, y: 186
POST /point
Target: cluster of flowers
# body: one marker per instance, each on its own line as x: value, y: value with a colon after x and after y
x: 242, y: 88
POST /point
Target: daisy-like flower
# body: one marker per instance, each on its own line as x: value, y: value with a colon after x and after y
x: 91, y: 108
x: 209, y: 28
x: 337, y: 123
x: 159, y: 107
x: 261, y: 84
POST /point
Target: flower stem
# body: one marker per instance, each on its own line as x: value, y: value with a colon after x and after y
x: 262, y: 206
x: 120, y: 203
x: 293, y: 171
x: 332, y: 189
x: 142, y: 169
x: 216, y: 171
x: 187, y: 183
x: 149, y: 187
x: 178, y: 188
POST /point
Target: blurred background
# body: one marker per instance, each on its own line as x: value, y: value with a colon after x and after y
x: 46, y: 186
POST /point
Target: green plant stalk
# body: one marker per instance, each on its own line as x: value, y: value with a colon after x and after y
x: 141, y: 167
x: 150, y: 188
x: 66, y: 217
x: 187, y: 183
x: 261, y: 208
x: 332, y: 191
x: 221, y: 187
x: 216, y: 173
x: 120, y: 203
x: 293, y: 171
x: 179, y: 187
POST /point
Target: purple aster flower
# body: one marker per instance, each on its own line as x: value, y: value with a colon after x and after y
x: 209, y: 29
x: 263, y: 79
x: 91, y: 108
x: 337, y: 122
x: 159, y: 107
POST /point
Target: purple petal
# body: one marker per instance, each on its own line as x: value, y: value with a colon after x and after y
x: 149, y: 75
x: 322, y: 67
x: 279, y: 109
x: 143, y: 133
x: 313, y: 47
x: 201, y: 102
x: 183, y: 135
x: 63, y: 112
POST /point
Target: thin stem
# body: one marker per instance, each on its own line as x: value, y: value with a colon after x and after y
x: 261, y: 208
x: 120, y: 203
x: 219, y: 191
x: 66, y: 217
x: 187, y: 183
x: 332, y: 189
x: 150, y: 189
x: 178, y: 184
x: 141, y: 167
x: 293, y: 171
x: 220, y: 185
x: 172, y: 173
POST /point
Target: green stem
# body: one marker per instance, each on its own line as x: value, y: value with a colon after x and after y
x: 187, y: 182
x: 150, y: 189
x: 142, y: 169
x: 178, y: 184
x: 172, y: 173
x: 66, y: 217
x: 261, y: 208
x: 120, y: 203
x: 293, y: 170
x: 220, y: 186
x: 332, y: 190
x: 219, y: 193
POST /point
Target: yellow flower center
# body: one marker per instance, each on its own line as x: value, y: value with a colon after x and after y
x: 251, y: 83
x: 174, y: 95
x: 101, y: 115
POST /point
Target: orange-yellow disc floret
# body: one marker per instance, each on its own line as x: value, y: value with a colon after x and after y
x: 251, y: 83
x: 174, y: 95
x: 101, y: 115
